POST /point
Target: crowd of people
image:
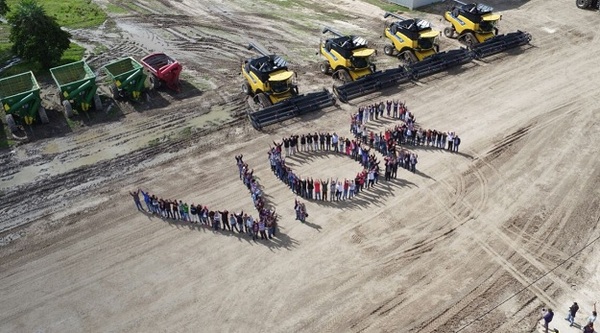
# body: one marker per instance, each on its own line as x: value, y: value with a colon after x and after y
x: 328, y: 189
x: 265, y: 226
x: 406, y: 133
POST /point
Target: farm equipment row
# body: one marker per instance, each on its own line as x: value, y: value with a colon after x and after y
x: 416, y: 45
x: 76, y: 82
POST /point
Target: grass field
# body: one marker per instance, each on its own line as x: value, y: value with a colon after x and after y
x: 71, y: 13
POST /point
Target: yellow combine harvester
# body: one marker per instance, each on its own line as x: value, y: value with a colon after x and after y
x: 471, y: 23
x: 475, y: 25
x: 272, y: 87
x: 347, y: 58
x: 268, y: 80
x: 412, y: 39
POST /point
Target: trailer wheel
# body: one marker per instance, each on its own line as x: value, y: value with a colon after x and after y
x: 43, y: 115
x: 68, y: 109
x: 388, y: 50
x: 449, y: 32
x: 155, y: 83
x: 115, y: 91
x: 324, y: 67
x: 246, y: 88
x: 583, y: 4
x: 97, y: 102
x: 10, y: 121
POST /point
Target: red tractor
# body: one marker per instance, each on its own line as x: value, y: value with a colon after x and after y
x: 164, y: 69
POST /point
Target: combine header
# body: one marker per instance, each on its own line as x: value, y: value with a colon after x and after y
x: 392, y: 77
x: 475, y: 26
x: 272, y: 87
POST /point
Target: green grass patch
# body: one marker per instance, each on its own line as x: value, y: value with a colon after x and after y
x: 71, y: 13
x: 112, y: 8
x: 73, y: 53
x: 387, y: 6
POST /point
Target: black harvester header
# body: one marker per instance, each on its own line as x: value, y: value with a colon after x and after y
x: 291, y: 107
x: 440, y: 62
x: 501, y: 43
x: 395, y: 76
x: 372, y: 83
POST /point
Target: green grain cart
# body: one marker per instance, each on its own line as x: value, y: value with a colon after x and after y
x: 20, y: 98
x: 128, y: 78
x: 77, y: 85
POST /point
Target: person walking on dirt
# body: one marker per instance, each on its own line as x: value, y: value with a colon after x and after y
x: 589, y: 328
x: 547, y: 316
x: 591, y: 319
x: 136, y: 199
x: 572, y: 311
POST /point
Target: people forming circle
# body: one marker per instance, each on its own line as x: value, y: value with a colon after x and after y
x: 330, y: 189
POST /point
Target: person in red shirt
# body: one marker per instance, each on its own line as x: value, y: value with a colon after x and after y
x: 317, y: 185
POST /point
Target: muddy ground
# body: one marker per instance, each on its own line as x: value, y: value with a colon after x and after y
x: 473, y: 242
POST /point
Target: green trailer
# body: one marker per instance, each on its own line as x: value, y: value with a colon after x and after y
x: 128, y: 78
x: 20, y: 98
x: 77, y: 85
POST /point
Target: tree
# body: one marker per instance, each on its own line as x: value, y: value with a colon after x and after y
x: 35, y: 35
x: 3, y: 7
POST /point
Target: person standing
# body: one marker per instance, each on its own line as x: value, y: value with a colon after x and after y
x: 591, y: 319
x: 572, y: 311
x: 136, y: 199
x: 547, y: 316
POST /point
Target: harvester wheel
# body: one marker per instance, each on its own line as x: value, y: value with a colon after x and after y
x: 246, y: 88
x: 324, y: 67
x: 583, y: 4
x: 342, y: 76
x: 12, y: 125
x: 43, y: 116
x: 263, y: 100
x: 449, y: 32
x: 68, y: 109
x: 408, y: 57
x: 469, y: 40
x: 97, y: 102
x: 388, y: 50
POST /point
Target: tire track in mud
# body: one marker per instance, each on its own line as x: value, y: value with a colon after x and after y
x: 47, y: 194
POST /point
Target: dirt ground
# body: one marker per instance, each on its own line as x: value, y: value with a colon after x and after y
x: 478, y: 241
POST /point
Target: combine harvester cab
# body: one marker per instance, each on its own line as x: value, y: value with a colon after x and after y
x: 128, y: 78
x: 272, y: 87
x: 164, y: 71
x: 412, y: 39
x: 475, y: 26
x: 77, y: 85
x: 20, y: 97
